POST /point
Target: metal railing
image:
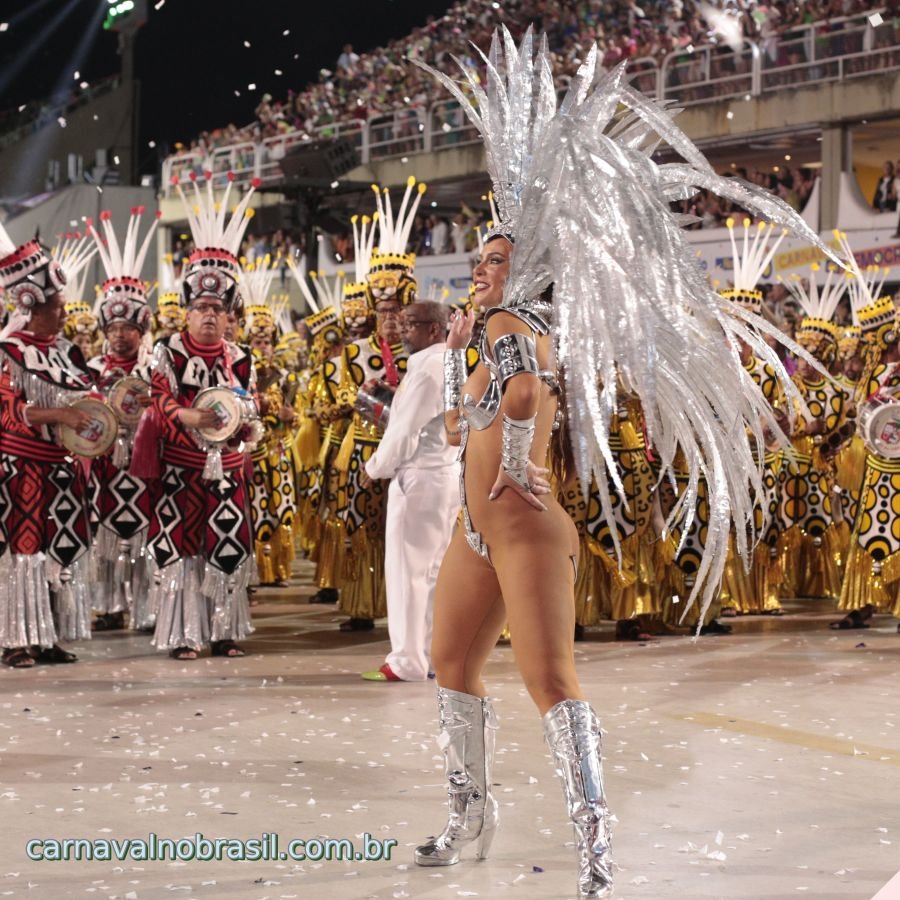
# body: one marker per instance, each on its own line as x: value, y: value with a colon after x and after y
x: 832, y: 50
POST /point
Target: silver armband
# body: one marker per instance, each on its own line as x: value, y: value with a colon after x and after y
x: 514, y: 354
x: 454, y: 378
x: 515, y: 448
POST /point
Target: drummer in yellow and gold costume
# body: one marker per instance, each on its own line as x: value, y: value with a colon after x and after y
x: 170, y: 317
x: 809, y: 544
x: 314, y: 434
x: 754, y: 591
x: 271, y: 489
x: 848, y: 447
x: 618, y: 584
x: 872, y: 578
x: 82, y: 328
x: 379, y: 359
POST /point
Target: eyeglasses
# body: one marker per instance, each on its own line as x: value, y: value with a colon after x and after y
x: 413, y: 323
x: 204, y: 308
x: 387, y: 313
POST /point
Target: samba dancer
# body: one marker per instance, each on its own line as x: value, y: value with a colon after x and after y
x: 577, y: 192
x: 122, y: 501
x: 199, y: 532
x: 45, y: 534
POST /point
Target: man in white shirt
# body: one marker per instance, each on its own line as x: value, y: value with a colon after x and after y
x: 423, y: 497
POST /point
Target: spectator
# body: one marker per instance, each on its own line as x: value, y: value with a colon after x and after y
x: 885, y: 199
x: 440, y: 235
x: 348, y: 59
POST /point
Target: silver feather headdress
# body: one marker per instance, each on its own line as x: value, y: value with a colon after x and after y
x: 589, y: 208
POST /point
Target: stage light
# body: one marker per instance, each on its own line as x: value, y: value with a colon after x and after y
x: 118, y: 15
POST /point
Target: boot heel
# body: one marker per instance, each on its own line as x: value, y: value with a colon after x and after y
x: 485, y: 839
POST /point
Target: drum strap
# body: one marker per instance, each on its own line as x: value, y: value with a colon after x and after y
x: 391, y: 375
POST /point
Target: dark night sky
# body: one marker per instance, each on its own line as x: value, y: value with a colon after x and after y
x: 190, y: 56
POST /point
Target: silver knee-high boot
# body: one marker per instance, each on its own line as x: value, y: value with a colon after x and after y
x: 572, y: 730
x: 468, y: 726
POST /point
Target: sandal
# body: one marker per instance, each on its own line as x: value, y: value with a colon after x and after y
x: 355, y: 624
x: 183, y: 653
x: 228, y: 649
x: 17, y: 658
x: 778, y: 611
x: 856, y: 618
x: 54, y: 655
x: 729, y: 612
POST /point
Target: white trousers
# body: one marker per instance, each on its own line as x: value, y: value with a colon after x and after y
x: 421, y: 511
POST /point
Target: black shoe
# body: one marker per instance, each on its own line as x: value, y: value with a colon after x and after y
x: 325, y: 595
x: 354, y: 624
x: 579, y: 632
x: 55, y: 655
x: 715, y: 627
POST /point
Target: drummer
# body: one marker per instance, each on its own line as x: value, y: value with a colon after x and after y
x: 122, y: 502
x: 390, y: 285
x: 45, y: 534
x: 199, y: 529
x: 872, y: 576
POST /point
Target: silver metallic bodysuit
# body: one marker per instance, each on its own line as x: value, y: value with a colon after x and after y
x: 511, y: 355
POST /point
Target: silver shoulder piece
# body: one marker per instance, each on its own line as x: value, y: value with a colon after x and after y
x: 536, y: 314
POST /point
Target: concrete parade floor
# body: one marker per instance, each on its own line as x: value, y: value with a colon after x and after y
x: 763, y: 765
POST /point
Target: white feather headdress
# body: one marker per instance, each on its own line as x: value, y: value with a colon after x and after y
x: 394, y: 231
x: 123, y: 261
x: 74, y: 252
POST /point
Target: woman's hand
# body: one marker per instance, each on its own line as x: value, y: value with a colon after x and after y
x: 537, y: 478
x: 461, y: 328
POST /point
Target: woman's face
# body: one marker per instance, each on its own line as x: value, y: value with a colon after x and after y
x: 491, y: 272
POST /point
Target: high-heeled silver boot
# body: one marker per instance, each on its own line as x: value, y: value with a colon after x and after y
x: 468, y: 726
x: 572, y: 730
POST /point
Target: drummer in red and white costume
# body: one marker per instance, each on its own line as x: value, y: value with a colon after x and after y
x: 199, y: 532
x: 122, y: 501
x: 45, y: 533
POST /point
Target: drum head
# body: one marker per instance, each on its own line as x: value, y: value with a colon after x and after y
x: 227, y: 406
x: 124, y: 399
x: 882, y: 430
x: 98, y: 436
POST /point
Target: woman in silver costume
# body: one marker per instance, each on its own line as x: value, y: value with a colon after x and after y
x: 522, y: 572
x: 586, y: 273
